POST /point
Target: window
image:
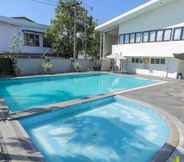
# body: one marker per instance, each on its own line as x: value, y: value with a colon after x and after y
x: 138, y: 37
x: 152, y: 36
x: 121, y: 39
x: 126, y: 39
x: 47, y: 43
x: 31, y: 39
x: 182, y: 34
x: 157, y: 60
x: 167, y: 34
x: 162, y: 61
x: 145, y: 36
x: 160, y: 35
x: 133, y: 60
x: 132, y: 38
x: 177, y: 34
x: 137, y: 60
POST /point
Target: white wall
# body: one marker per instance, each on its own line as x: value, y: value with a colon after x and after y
x: 168, y: 70
x: 29, y: 66
x: 6, y: 35
x: 8, y: 32
x: 181, y: 67
x: 163, y: 17
x: 159, y: 49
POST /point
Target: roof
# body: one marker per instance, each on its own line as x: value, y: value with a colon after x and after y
x: 24, y: 18
x: 22, y: 22
x: 148, y: 6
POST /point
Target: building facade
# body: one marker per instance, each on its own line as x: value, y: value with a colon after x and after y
x: 151, y: 37
x: 27, y: 34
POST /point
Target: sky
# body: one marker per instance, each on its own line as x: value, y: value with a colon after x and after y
x: 42, y: 11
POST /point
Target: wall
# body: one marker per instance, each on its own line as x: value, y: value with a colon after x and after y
x: 159, y: 49
x: 181, y: 67
x: 168, y: 70
x: 6, y: 35
x: 106, y: 65
x: 31, y: 66
x: 162, y: 17
x: 8, y: 32
x: 35, y: 50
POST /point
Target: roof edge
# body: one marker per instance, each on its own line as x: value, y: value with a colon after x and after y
x: 127, y: 15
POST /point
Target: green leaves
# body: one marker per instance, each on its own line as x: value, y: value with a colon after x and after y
x: 61, y: 30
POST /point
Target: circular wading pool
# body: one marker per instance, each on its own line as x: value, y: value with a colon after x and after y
x: 106, y: 130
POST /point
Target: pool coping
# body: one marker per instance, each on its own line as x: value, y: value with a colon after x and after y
x: 60, y: 105
x: 175, y: 138
x: 175, y: 141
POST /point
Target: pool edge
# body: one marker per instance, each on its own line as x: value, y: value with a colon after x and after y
x: 177, y: 138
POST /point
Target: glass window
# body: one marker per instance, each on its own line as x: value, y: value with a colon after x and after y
x: 152, y: 61
x: 132, y: 38
x: 159, y: 35
x: 126, y: 39
x: 121, y: 39
x: 47, y: 43
x: 133, y: 60
x: 182, y: 34
x: 31, y: 39
x: 162, y: 61
x: 152, y: 36
x: 177, y: 34
x: 157, y: 60
x: 145, y: 36
x: 138, y: 38
x: 141, y: 60
x: 167, y: 34
x: 137, y: 60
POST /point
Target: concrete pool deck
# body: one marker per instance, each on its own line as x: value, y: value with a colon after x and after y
x: 16, y: 145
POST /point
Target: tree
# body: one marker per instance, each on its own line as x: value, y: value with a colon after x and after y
x: 16, y: 44
x: 71, y: 14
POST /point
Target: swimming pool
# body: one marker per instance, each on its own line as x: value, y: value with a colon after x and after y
x: 26, y: 93
x: 106, y: 130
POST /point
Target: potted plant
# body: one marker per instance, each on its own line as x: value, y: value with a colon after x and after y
x: 77, y: 66
x: 47, y: 66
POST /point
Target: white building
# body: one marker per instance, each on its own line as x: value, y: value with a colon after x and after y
x: 150, y: 36
x: 26, y: 31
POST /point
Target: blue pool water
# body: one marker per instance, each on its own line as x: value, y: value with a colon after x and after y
x: 23, y: 94
x: 107, y: 130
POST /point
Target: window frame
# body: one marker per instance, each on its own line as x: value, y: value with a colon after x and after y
x: 137, y: 60
x: 170, y: 38
x: 121, y: 41
x: 182, y: 34
x: 47, y: 43
x: 128, y: 34
x: 133, y: 38
x: 161, y: 30
x: 154, y: 37
x: 175, y: 32
x: 141, y: 37
x: 143, y: 33
x: 158, y: 61
x: 36, y: 39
